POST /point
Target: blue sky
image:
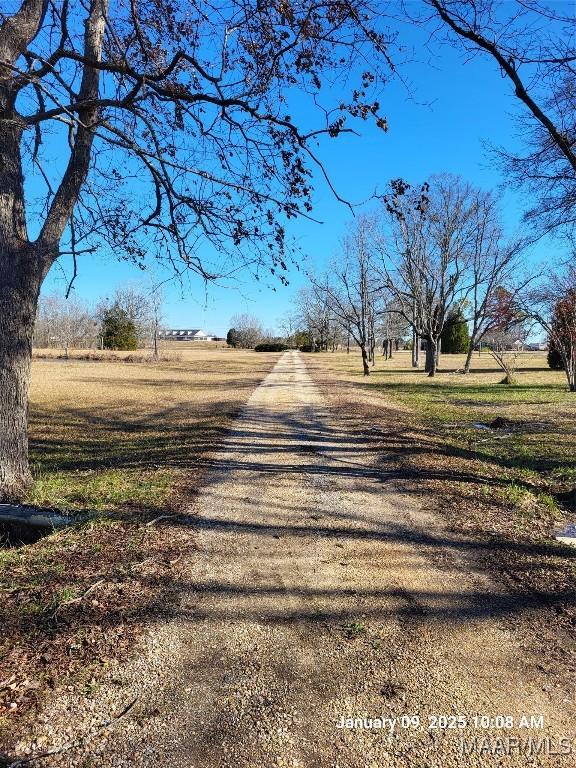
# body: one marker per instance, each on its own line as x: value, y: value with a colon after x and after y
x: 440, y: 123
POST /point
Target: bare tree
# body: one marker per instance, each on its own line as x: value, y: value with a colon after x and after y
x: 553, y: 306
x: 288, y: 325
x: 392, y: 328
x: 171, y: 125
x: 352, y: 291
x: 64, y: 322
x: 508, y: 330
x: 493, y: 263
x: 248, y: 330
x: 425, y: 254
x: 505, y: 348
x: 532, y: 44
x: 156, y: 315
x: 313, y: 312
x: 506, y: 345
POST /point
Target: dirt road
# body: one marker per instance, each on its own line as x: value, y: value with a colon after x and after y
x: 319, y: 593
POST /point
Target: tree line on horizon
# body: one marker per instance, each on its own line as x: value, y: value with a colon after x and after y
x: 130, y: 319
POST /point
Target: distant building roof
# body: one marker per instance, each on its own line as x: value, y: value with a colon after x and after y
x: 182, y: 332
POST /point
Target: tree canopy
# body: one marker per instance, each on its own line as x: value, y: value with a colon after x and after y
x: 154, y: 127
x: 162, y: 129
x: 532, y: 44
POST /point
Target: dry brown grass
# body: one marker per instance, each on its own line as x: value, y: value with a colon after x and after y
x: 130, y: 442
x: 101, y: 431
x: 167, y: 351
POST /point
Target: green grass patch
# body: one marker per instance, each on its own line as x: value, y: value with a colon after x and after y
x: 535, y: 449
x: 537, y: 443
x: 527, y: 503
x: 445, y: 398
x: 354, y: 628
x: 103, y: 491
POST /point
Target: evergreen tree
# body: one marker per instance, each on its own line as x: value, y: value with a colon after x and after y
x: 118, y: 330
x: 232, y: 337
x: 455, y: 336
x: 554, y: 357
x: 300, y: 339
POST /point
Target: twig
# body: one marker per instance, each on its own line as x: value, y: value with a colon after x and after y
x: 72, y: 744
x: 78, y: 599
x: 163, y: 517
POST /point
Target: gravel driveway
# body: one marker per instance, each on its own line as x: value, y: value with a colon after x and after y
x: 320, y: 594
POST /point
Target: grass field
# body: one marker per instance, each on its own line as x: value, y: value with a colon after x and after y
x: 542, y: 438
x: 113, y: 435
x: 508, y: 490
x: 128, y: 441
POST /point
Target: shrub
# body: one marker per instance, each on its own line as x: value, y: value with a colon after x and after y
x: 271, y: 347
x: 300, y: 339
x: 307, y: 348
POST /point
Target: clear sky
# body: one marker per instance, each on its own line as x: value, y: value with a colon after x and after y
x: 440, y: 123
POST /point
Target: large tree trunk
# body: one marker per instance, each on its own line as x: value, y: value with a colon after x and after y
x: 571, y: 374
x: 20, y: 280
x: 155, y: 354
x: 24, y: 265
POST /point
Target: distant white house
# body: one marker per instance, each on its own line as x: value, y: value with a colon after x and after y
x: 532, y: 347
x: 184, y: 334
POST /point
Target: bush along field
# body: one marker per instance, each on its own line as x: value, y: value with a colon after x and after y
x: 498, y: 461
x: 127, y: 444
